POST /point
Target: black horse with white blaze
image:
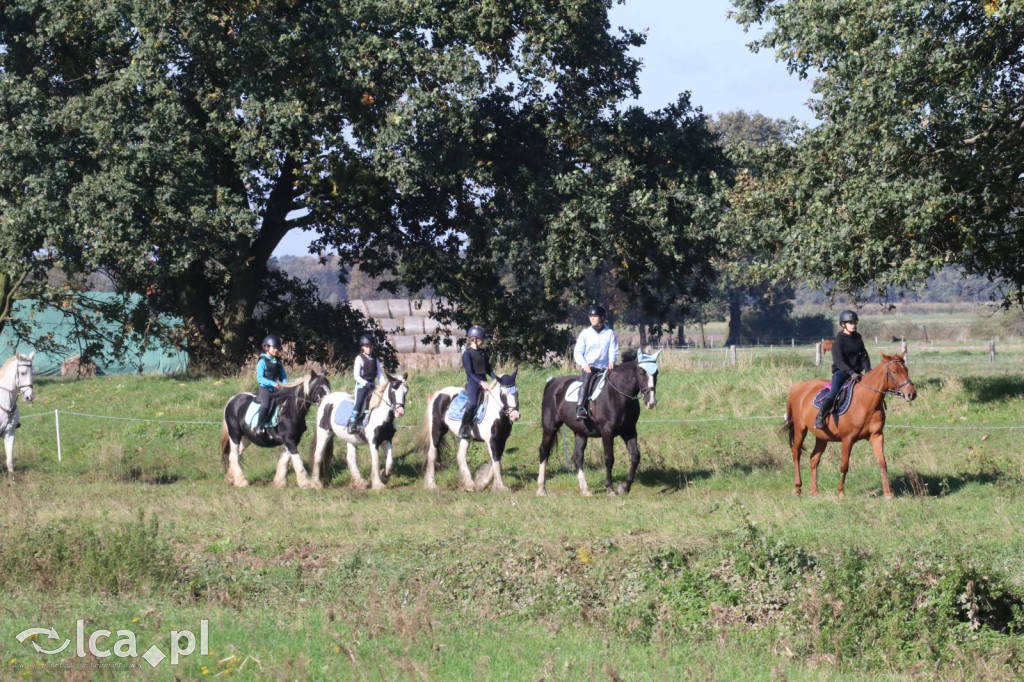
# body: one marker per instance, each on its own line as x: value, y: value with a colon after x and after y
x: 613, y: 413
x: 294, y: 400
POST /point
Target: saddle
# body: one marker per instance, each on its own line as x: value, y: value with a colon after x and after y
x: 572, y: 394
x: 252, y: 413
x: 344, y: 410
x: 842, y: 402
x: 458, y: 408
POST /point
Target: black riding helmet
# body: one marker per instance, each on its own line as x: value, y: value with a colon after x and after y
x: 367, y: 340
x: 272, y: 340
x: 596, y: 310
x: 847, y: 316
x: 476, y: 332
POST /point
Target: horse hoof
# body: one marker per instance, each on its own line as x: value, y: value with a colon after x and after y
x: 796, y: 492
x: 541, y: 492
x: 623, y: 490
x: 315, y: 484
x: 430, y: 486
x: 279, y: 483
x: 468, y: 487
x: 242, y: 484
x: 379, y: 486
x: 359, y: 484
x: 502, y: 489
x: 586, y: 493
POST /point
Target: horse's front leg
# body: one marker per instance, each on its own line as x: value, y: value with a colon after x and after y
x: 465, y: 477
x: 577, y: 458
x: 877, y: 441
x: 375, y: 481
x: 634, y: 461
x: 281, y: 475
x: 389, y: 460
x: 495, y: 447
x: 356, y: 479
x: 9, y: 448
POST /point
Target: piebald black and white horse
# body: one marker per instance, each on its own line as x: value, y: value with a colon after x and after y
x: 386, y: 403
x: 501, y: 409
x: 613, y: 413
x: 294, y: 400
x: 15, y: 379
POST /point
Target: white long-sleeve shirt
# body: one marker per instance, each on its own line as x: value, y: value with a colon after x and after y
x: 597, y: 349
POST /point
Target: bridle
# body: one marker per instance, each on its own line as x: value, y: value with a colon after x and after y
x: 506, y: 408
x: 389, y: 397
x: 18, y: 387
x: 643, y: 390
x: 890, y: 377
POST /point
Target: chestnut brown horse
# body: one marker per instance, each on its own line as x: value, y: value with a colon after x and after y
x: 864, y: 419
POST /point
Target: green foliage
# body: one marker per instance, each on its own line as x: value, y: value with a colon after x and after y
x: 913, y: 165
x: 132, y: 558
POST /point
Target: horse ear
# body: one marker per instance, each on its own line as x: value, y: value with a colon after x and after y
x: 514, y: 375
x: 312, y: 374
x: 31, y: 355
x: 654, y: 358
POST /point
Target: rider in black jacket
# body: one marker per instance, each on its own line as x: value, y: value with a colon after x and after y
x: 849, y: 359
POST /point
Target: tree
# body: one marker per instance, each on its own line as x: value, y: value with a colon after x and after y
x: 916, y: 161
x: 745, y: 137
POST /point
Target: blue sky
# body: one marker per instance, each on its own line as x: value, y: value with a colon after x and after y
x: 691, y: 45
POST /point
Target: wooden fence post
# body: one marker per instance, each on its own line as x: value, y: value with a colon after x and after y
x: 817, y: 354
x: 992, y: 350
x: 732, y: 355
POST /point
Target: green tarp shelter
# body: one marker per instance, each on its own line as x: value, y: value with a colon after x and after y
x: 147, y: 356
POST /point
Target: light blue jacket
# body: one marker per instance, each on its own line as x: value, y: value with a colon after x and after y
x: 261, y: 372
x: 597, y: 349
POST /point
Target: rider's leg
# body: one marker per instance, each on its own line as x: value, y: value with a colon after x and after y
x: 588, y: 382
x: 266, y: 401
x: 472, y: 402
x: 838, y: 379
x: 362, y: 394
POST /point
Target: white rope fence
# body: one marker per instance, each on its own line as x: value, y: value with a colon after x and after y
x: 923, y: 427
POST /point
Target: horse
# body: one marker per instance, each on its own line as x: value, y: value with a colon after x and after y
x: 501, y: 409
x: 613, y: 413
x: 387, y: 403
x: 15, y: 379
x: 236, y: 434
x: 865, y: 418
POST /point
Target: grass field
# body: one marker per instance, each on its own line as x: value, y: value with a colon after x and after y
x: 709, y: 569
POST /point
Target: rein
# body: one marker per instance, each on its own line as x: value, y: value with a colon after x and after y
x: 889, y: 375
x: 636, y: 396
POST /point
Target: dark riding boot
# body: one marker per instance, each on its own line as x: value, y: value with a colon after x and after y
x: 466, y: 428
x: 581, y: 409
x: 819, y: 421
x: 353, y: 423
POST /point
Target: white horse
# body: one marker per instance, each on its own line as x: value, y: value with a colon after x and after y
x: 501, y: 409
x: 15, y: 378
x: 386, y: 403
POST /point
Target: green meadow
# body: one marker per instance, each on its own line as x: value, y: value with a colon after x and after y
x: 709, y: 569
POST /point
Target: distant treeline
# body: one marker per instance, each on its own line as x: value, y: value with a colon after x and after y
x: 950, y: 285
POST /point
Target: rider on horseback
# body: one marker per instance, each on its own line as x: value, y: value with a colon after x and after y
x: 596, y: 349
x: 849, y: 360
x: 478, y: 368
x: 367, y: 370
x: 270, y: 375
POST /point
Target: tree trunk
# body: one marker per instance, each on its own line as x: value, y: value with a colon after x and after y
x: 10, y: 286
x: 735, y: 321
x: 681, y: 336
x: 643, y: 334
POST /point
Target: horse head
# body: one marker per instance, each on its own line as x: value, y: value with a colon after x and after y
x: 510, y: 394
x: 897, y: 378
x: 315, y: 387
x: 398, y: 387
x: 647, y: 377
x: 23, y: 376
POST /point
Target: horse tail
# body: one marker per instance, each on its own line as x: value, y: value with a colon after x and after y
x: 788, y: 427
x: 225, y: 445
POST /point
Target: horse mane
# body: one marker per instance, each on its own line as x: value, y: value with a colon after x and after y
x: 8, y: 363
x: 628, y: 355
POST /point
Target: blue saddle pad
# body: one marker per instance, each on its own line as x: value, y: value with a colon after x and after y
x: 344, y: 410
x: 253, y: 411
x: 458, y: 408
x: 843, y: 400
